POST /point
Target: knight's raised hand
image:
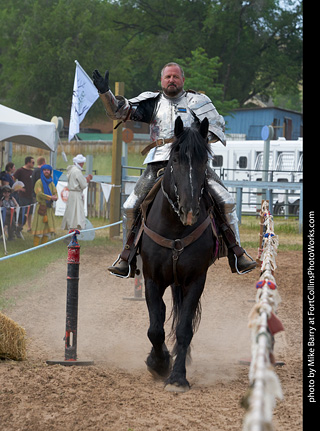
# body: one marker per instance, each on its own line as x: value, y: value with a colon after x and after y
x: 102, y: 84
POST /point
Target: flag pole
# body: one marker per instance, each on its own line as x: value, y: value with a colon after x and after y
x: 80, y: 106
x: 78, y: 64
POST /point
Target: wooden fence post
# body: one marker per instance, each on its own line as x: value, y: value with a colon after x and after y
x: 115, y: 196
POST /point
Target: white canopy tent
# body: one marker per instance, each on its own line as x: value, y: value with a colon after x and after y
x: 26, y: 130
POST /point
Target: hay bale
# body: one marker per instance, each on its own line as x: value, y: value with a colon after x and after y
x: 12, y: 339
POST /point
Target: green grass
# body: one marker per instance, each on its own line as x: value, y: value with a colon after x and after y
x: 286, y: 230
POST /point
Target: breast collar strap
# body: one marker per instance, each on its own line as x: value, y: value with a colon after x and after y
x: 177, y: 245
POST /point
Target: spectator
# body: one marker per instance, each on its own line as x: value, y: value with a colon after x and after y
x: 7, y: 175
x: 9, y: 217
x: 74, y: 217
x: 24, y: 174
x: 36, y: 173
x: 43, y: 224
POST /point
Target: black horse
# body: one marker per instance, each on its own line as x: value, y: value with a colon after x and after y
x: 177, y: 247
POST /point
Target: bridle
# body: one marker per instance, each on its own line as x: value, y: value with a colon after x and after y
x: 176, y: 205
x: 177, y: 246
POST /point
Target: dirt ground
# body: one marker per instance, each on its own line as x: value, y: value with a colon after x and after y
x: 117, y: 393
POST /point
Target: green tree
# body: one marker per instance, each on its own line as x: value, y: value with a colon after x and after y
x: 38, y: 66
x: 202, y: 75
x: 259, y: 45
x: 232, y: 49
x: 157, y: 32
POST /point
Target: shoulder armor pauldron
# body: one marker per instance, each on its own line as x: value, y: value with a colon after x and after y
x: 144, y: 96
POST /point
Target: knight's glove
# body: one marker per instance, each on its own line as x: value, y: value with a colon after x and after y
x: 102, y: 84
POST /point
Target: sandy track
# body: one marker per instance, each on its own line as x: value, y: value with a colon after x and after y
x: 117, y: 393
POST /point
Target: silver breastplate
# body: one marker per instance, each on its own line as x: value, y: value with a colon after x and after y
x: 187, y: 106
x: 162, y: 124
x: 167, y: 111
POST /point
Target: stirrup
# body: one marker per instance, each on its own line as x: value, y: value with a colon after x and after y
x: 118, y: 275
x: 236, y: 264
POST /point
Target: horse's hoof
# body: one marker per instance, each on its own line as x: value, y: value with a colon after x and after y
x: 159, y: 368
x: 156, y: 375
x: 174, y: 387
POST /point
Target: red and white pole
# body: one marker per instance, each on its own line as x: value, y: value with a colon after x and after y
x: 72, y: 304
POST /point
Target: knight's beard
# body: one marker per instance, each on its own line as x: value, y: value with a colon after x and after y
x: 172, y: 90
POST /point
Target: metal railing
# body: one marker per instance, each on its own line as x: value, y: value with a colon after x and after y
x: 267, y: 188
x: 263, y: 190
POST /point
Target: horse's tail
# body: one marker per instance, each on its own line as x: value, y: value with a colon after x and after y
x: 177, y: 299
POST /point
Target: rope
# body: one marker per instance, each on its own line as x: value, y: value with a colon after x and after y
x: 56, y: 240
x: 264, y: 383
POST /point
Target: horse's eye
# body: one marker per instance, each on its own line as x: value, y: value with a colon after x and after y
x: 175, y: 160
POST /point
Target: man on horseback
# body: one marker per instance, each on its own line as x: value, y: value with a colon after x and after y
x: 160, y: 110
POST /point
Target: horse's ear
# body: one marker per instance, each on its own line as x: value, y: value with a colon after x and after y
x: 178, y: 127
x: 204, y: 127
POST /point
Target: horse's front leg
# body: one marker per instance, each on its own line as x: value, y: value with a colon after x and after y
x: 159, y: 359
x: 177, y: 381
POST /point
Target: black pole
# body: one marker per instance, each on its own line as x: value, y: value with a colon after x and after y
x: 72, y: 304
x: 72, y: 298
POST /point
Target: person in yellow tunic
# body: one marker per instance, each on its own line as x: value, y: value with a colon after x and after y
x: 43, y: 224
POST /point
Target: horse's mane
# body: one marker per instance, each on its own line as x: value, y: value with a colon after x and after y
x: 191, y: 143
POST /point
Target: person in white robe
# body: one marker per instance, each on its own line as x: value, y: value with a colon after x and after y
x: 74, y: 217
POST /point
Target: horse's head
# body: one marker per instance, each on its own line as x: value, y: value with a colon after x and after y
x: 187, y: 168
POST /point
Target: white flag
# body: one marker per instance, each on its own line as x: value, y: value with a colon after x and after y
x: 106, y: 188
x: 84, y: 96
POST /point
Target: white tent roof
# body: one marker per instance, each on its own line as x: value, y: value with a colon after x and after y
x: 24, y: 129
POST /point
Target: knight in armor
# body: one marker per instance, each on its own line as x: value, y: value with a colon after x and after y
x: 160, y: 110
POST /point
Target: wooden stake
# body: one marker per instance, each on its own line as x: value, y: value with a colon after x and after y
x: 115, y: 196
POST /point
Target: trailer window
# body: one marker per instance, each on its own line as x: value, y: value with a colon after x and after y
x: 217, y: 161
x: 243, y: 162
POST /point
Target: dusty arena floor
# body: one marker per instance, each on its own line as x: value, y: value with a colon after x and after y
x: 117, y: 393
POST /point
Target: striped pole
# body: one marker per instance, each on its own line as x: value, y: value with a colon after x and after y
x: 72, y: 305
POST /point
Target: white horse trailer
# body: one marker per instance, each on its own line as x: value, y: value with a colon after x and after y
x: 243, y: 161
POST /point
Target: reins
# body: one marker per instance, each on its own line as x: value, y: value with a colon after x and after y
x: 178, y: 245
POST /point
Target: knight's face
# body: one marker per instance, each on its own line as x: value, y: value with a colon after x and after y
x: 172, y: 81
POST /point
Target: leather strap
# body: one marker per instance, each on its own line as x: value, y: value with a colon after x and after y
x: 178, y: 244
x: 132, y: 239
x: 229, y: 237
x: 157, y: 143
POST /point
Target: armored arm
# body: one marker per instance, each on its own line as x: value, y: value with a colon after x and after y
x: 117, y: 107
